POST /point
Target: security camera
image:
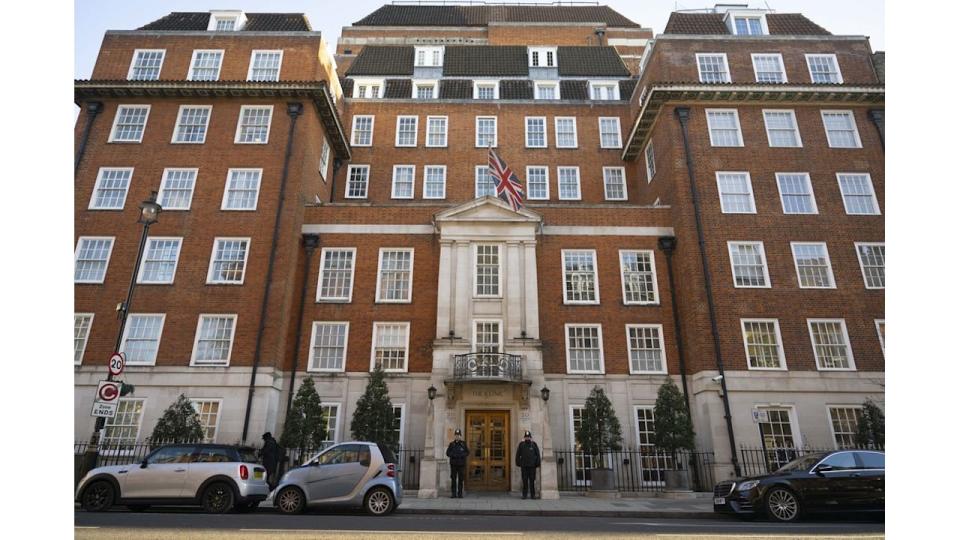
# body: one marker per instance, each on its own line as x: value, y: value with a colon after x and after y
x: 717, y: 379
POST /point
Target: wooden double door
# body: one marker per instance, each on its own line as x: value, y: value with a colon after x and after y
x: 488, y: 438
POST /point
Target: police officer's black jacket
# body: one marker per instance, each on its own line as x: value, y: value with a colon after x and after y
x: 528, y: 454
x: 457, y: 452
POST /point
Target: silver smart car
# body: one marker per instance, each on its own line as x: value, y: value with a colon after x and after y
x: 349, y: 474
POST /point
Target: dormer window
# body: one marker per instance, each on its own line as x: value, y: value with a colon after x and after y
x: 486, y: 89
x: 226, y: 24
x: 368, y: 88
x: 424, y: 90
x: 226, y: 21
x: 542, y: 56
x: 748, y: 26
x: 429, y: 56
x: 546, y: 90
x: 604, y: 90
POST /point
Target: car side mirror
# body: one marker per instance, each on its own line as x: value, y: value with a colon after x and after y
x: 822, y: 469
x: 143, y: 464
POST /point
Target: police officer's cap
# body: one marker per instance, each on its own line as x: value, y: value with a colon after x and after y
x: 457, y: 432
x: 526, y: 434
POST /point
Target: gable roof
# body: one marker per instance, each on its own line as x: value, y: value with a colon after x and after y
x: 453, y: 15
x: 179, y: 21
x: 708, y: 24
x: 586, y: 61
x: 383, y: 60
x: 486, y: 60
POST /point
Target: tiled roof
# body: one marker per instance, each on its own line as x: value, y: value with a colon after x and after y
x: 256, y: 22
x: 514, y: 89
x: 397, y: 88
x: 485, y: 60
x: 570, y: 89
x: 456, y: 89
x: 383, y: 60
x: 707, y: 24
x: 590, y: 61
x: 346, y: 84
x: 398, y: 15
x: 626, y: 88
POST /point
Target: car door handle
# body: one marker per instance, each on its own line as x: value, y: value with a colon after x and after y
x: 179, y: 470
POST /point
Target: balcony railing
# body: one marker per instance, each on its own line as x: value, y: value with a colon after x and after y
x: 487, y: 366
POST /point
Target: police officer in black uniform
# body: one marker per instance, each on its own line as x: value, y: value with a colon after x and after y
x: 457, y: 452
x: 528, y: 459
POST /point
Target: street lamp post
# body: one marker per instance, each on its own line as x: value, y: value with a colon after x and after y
x: 149, y: 213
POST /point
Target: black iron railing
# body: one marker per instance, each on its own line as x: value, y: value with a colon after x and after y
x: 634, y: 470
x: 488, y: 366
x: 757, y: 461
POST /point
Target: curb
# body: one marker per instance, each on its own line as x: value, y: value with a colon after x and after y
x: 565, y: 513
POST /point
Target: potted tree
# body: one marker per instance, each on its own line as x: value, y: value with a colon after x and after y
x: 673, y: 431
x: 373, y: 418
x: 178, y: 424
x: 870, y: 426
x: 599, y: 433
x: 305, y: 428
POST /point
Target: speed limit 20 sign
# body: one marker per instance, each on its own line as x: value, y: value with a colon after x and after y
x: 117, y: 361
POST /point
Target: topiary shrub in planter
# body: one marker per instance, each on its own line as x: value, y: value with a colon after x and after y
x: 673, y: 431
x: 870, y: 426
x: 599, y: 433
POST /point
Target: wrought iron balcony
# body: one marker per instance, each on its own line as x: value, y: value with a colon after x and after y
x: 487, y: 367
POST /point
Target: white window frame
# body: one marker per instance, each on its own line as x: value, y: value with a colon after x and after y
x: 313, y: 342
x: 368, y: 83
x: 416, y: 129
x: 863, y: 271
x: 133, y: 63
x: 446, y: 132
x: 596, y: 277
x: 193, y: 60
x: 796, y: 127
x: 97, y: 185
x: 413, y: 181
x: 346, y: 184
x: 473, y: 340
x: 546, y: 197
x: 432, y: 83
x: 763, y: 258
x: 614, y: 84
x: 736, y: 119
x: 353, y: 270
x: 226, y: 190
x: 541, y: 54
x: 126, y: 332
x: 116, y: 447
x: 726, y: 67
x: 556, y: 131
x: 500, y: 253
x: 206, y: 126
x: 216, y: 426
x: 795, y: 433
x: 426, y: 168
x: 836, y: 64
x: 477, y: 84
x: 253, y: 55
x: 579, y: 184
x: 354, y: 133
x: 236, y: 137
x: 873, y: 194
x: 526, y: 131
x: 196, y: 340
x: 213, y: 254
x: 338, y: 407
x: 853, y: 122
x: 813, y: 197
x: 882, y: 336
x: 324, y: 159
x: 537, y: 85
x: 86, y: 337
x: 720, y: 193
x: 650, y: 161
x: 756, y: 74
x: 116, y: 118
x: 164, y: 187
x: 176, y: 260
x: 373, y: 346
x: 496, y: 133
x: 476, y: 186
x: 653, y: 270
x: 566, y: 345
x: 746, y: 345
x: 623, y: 178
x: 427, y: 56
x: 663, y: 349
x: 403, y: 420
x: 830, y: 407
x: 106, y: 264
x: 731, y: 22
x: 796, y: 265
x: 409, y: 299
x: 619, y: 131
x: 846, y: 340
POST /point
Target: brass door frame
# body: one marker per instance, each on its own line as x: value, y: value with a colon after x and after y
x: 480, y: 453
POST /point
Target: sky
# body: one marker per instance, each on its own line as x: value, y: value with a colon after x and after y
x: 94, y: 17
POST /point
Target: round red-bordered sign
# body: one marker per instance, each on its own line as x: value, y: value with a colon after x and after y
x: 109, y: 392
x: 117, y: 363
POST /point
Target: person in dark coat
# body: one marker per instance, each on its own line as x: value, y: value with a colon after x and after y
x: 270, y: 456
x: 457, y: 451
x: 528, y: 459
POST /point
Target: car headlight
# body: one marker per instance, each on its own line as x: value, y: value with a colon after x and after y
x: 748, y: 485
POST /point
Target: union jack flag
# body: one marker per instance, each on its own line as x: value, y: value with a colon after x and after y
x: 508, y: 185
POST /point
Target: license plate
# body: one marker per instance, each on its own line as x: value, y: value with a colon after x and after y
x: 719, y: 500
x: 258, y: 474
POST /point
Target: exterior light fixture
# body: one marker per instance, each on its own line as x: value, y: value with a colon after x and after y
x: 431, y: 392
x: 545, y: 393
x: 150, y: 210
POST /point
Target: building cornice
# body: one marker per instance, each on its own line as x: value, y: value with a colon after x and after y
x: 775, y: 37
x: 209, y: 34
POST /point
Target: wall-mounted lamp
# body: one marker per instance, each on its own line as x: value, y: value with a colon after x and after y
x: 432, y: 392
x: 545, y: 393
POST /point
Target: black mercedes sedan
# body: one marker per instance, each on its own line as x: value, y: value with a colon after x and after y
x: 841, y: 481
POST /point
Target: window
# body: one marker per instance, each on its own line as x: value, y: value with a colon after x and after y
x: 749, y: 264
x: 395, y: 271
x: 768, y: 68
x: 110, y: 191
x: 192, y: 122
x: 129, y: 123
x: 583, y: 462
x: 357, y: 180
x: 368, y: 89
x: 536, y: 132
x: 796, y: 193
x: 331, y: 417
x: 538, y: 182
x: 857, y: 192
x: 872, y: 259
x: 146, y: 64
x: 542, y: 56
x: 823, y: 68
x: 762, y: 343
x: 610, y: 132
x: 424, y: 90
x: 841, y: 129
x: 638, y: 275
x: 434, y: 181
x: 584, y: 348
x: 777, y: 433
x: 214, y: 340
x: 121, y: 432
x: 328, y: 346
x: 605, y: 91
x: 208, y: 413
x: 429, y: 56
x: 176, y: 189
x: 724, y: 127
x: 843, y: 425
x: 645, y: 346
x: 265, y: 65
x: 652, y: 462
x: 648, y: 155
x: 486, y: 131
x: 391, y: 343
x: 831, y: 346
x: 205, y: 65
x: 486, y: 339
x: 781, y: 128
x: 92, y: 258
x: 228, y: 262
x: 546, y: 90
x: 580, y: 277
x: 568, y: 183
x: 225, y: 24
x: 403, y: 179
x: 565, y: 130
x: 748, y: 26
x: 253, y: 127
x: 436, y: 131
x: 324, y: 160
x: 81, y: 332
x: 141, y: 338
x: 713, y: 68
x: 484, y: 183
x: 160, y: 260
x: 614, y: 184
x: 487, y: 270
x: 872, y: 460
x: 398, y: 424
x: 736, y: 193
x: 362, y: 134
x: 882, y: 333
x: 242, y: 190
x: 407, y: 130
x: 486, y: 90
x: 336, y: 274
x: 813, y: 265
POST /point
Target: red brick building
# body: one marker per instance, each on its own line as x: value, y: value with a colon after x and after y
x: 703, y: 202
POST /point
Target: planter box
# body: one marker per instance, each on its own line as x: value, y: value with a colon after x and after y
x: 602, y: 480
x: 676, y: 481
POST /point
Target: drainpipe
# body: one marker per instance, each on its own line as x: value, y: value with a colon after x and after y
x: 93, y: 108
x: 668, y: 244
x: 877, y: 116
x: 683, y: 116
x: 310, y: 243
x: 294, y: 110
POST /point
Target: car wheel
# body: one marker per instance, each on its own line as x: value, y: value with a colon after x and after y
x: 98, y: 497
x: 290, y: 500
x: 378, y: 502
x: 217, y: 498
x: 782, y: 505
x: 137, y: 507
